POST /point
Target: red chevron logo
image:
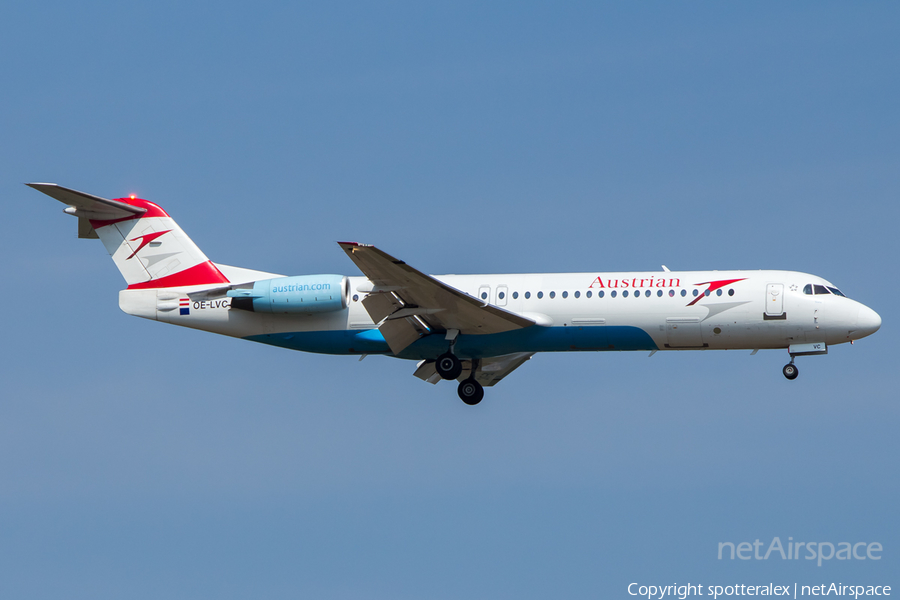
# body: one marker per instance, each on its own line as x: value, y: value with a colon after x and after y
x: 713, y: 286
x: 146, y: 239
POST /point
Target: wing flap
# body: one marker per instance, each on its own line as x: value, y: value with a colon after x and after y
x: 426, y: 372
x: 492, y: 370
x: 381, y: 305
x: 400, y: 333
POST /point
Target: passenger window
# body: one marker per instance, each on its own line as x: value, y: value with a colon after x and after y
x: 659, y: 293
x: 695, y: 292
x: 501, y: 295
x: 731, y: 292
x: 683, y: 293
x: 600, y: 294
x: 807, y: 289
x: 624, y: 294
x: 515, y: 295
x: 718, y: 292
x: 553, y: 294
x: 578, y: 294
x: 565, y: 294
x: 671, y: 293
x: 647, y: 293
x: 527, y: 295
x: 612, y: 293
x: 820, y: 289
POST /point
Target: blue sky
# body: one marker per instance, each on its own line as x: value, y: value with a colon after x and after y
x: 139, y: 460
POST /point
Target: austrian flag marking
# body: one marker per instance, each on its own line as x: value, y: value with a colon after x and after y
x: 184, y: 306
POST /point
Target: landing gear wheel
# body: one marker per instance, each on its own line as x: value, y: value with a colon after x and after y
x: 448, y: 366
x: 790, y: 371
x: 470, y: 392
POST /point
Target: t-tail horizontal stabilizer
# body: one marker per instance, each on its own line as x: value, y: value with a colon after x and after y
x: 87, y: 207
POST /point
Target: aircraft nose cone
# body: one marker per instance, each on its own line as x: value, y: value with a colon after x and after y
x: 867, y: 323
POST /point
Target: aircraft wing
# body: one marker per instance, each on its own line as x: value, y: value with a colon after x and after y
x: 489, y: 372
x: 408, y: 304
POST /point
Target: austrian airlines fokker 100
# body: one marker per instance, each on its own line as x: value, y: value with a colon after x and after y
x: 472, y: 328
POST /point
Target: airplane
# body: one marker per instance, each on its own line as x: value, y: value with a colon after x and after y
x: 475, y: 329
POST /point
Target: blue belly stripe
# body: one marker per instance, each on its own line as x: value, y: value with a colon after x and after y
x: 529, y: 339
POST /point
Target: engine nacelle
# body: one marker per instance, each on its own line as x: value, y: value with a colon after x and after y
x: 292, y: 295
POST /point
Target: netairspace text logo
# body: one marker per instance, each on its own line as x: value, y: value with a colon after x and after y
x: 812, y: 550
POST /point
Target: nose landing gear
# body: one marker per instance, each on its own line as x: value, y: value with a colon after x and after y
x: 794, y: 350
x: 790, y: 370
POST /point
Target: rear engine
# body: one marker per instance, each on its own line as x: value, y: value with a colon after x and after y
x: 292, y: 295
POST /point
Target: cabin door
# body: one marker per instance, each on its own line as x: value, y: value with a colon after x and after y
x: 774, y: 299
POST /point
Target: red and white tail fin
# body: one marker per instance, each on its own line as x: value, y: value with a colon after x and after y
x: 147, y: 245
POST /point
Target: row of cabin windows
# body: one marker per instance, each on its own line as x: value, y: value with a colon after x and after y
x: 602, y: 293
x: 820, y: 290
x: 809, y: 289
x: 625, y: 294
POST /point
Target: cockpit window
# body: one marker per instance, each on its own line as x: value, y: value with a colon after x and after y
x: 809, y: 289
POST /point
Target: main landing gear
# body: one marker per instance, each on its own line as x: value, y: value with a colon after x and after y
x: 790, y: 370
x: 470, y: 391
x: 448, y: 366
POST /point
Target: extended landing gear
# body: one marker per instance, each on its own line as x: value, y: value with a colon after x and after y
x: 794, y: 350
x: 448, y: 366
x: 470, y: 391
x: 790, y: 370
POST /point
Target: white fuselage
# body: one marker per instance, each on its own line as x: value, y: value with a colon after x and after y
x: 688, y: 310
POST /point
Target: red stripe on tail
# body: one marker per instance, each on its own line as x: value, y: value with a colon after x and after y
x: 202, y: 274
